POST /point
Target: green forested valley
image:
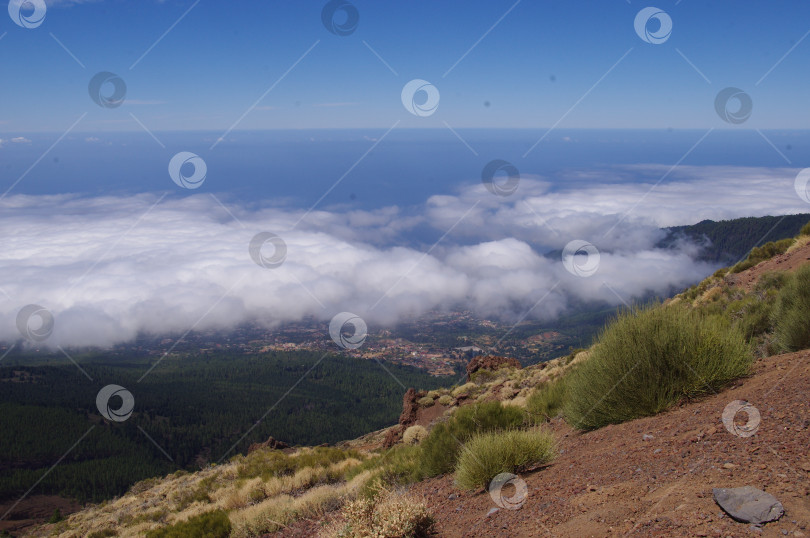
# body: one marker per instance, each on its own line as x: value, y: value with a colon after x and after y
x: 195, y: 408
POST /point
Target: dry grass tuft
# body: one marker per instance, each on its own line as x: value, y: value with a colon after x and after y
x: 388, y: 514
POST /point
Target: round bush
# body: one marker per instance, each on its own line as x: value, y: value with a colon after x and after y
x: 446, y: 399
x: 440, y: 449
x: 414, y: 435
x: 648, y: 359
x: 487, y: 455
x: 463, y: 390
x: 427, y: 401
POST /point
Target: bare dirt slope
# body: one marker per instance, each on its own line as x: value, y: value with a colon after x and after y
x: 789, y: 261
x: 619, y: 481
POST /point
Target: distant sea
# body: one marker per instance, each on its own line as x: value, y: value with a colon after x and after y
x: 295, y: 168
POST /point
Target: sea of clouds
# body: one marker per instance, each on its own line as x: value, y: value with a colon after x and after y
x: 110, y: 267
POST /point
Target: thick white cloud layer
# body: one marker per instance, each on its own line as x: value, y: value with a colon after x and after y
x: 111, y: 267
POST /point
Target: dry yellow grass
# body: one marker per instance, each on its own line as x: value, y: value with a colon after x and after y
x: 801, y: 241
x: 389, y: 514
x: 277, y: 512
x: 157, y: 503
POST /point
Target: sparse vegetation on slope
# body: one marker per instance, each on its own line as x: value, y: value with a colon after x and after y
x: 644, y: 361
x: 487, y: 455
x: 765, y: 252
x: 209, y: 525
x: 648, y: 359
x: 441, y: 447
x: 547, y: 400
x: 387, y: 514
x: 791, y: 313
x: 396, y: 465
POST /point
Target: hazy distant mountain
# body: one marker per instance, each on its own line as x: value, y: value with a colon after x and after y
x: 728, y: 241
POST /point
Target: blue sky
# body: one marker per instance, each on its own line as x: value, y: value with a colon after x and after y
x: 530, y: 68
x: 390, y: 219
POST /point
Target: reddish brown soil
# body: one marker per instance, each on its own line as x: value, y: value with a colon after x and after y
x: 616, y: 482
x: 784, y: 262
x: 34, y: 510
x: 426, y: 415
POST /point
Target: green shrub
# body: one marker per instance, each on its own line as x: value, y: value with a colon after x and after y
x: 690, y: 294
x: 573, y: 355
x: 489, y: 454
x: 479, y: 377
x: 546, y: 401
x: 56, y: 517
x: 209, y: 525
x: 143, y: 516
x: 805, y: 229
x: 739, y: 267
x: 445, y: 399
x: 752, y: 316
x: 649, y: 358
x: 270, y: 463
x: 791, y: 313
x: 104, y: 533
x: 441, y: 447
x: 765, y: 252
x: 427, y: 401
x: 399, y: 464
x: 144, y: 485
x: 464, y: 390
x: 772, y: 281
x: 200, y: 493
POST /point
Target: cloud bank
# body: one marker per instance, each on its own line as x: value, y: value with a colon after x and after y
x: 111, y: 267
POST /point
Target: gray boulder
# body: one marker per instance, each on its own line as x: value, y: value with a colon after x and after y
x: 748, y: 504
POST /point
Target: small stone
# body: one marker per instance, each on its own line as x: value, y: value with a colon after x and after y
x: 492, y: 511
x: 756, y: 529
x: 798, y: 533
x: 729, y: 466
x: 748, y: 504
x: 647, y: 437
x: 657, y: 451
x: 453, y: 496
